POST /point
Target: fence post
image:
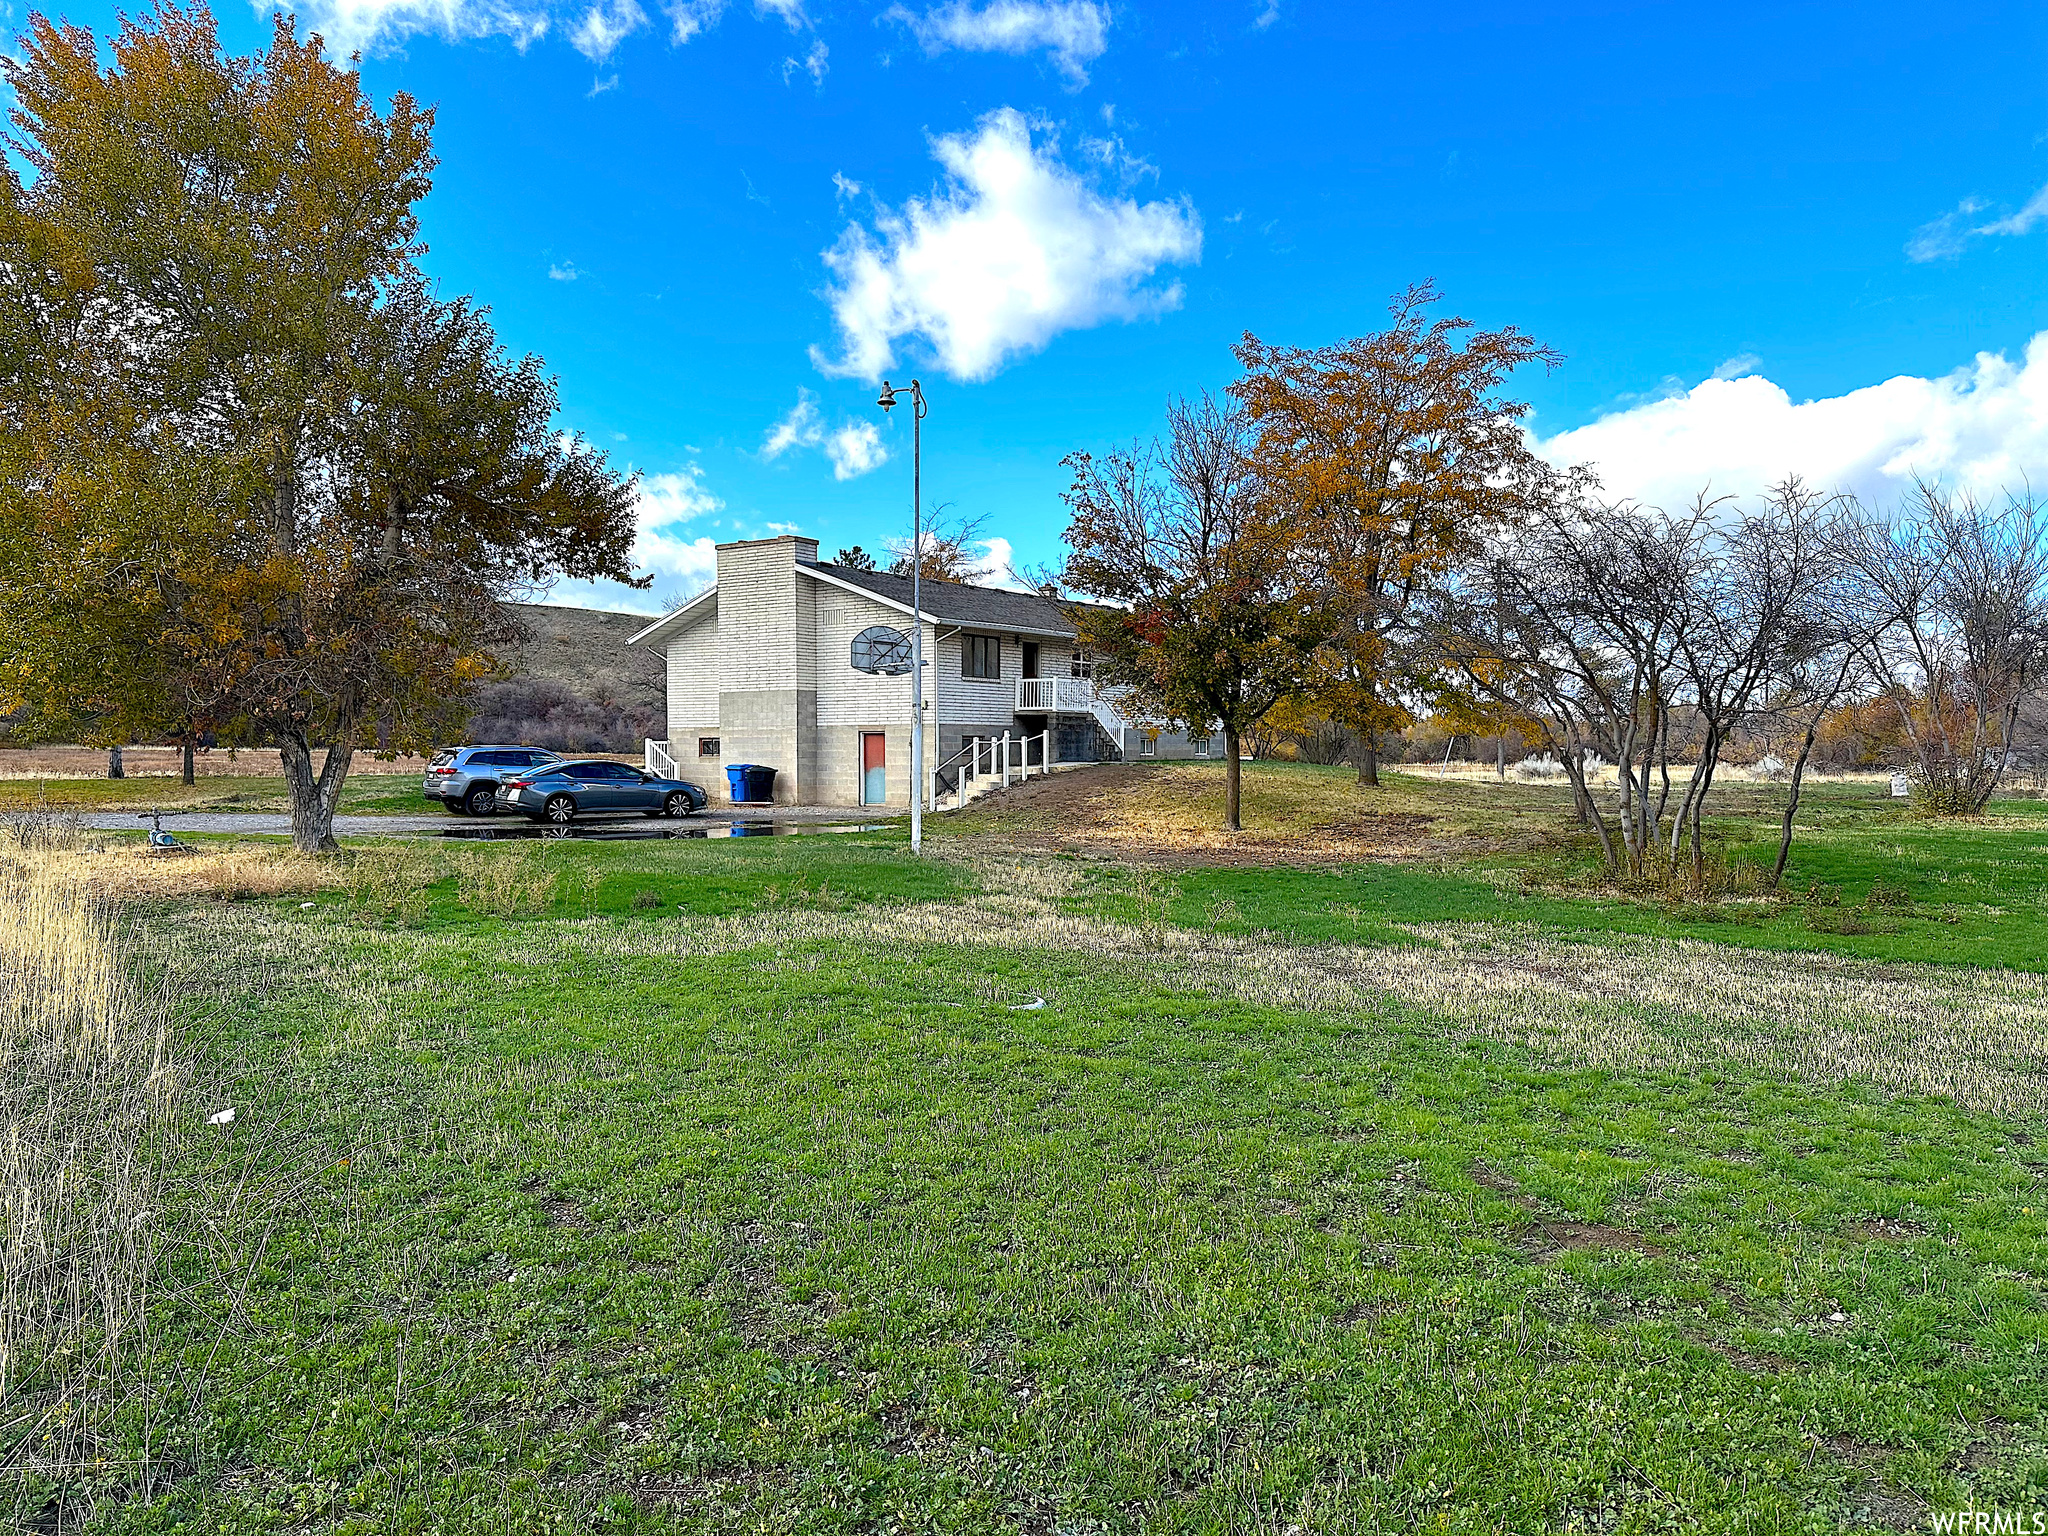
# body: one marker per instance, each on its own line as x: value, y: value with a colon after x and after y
x: 1006, y: 759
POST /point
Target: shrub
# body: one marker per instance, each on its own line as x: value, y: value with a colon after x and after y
x: 543, y: 713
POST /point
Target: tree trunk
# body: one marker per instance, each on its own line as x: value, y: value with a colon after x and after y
x: 1500, y: 757
x: 188, y: 759
x: 1589, y: 813
x: 1230, y: 781
x: 1792, y: 802
x: 1369, y: 760
x: 314, y: 796
x: 115, y: 770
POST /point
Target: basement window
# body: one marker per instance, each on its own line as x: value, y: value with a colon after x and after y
x: 1149, y: 745
x: 1200, y: 745
x: 707, y: 746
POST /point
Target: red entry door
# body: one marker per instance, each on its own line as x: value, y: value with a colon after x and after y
x: 874, y: 768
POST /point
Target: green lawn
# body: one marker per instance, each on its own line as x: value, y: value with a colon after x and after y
x: 763, y: 1201
x: 1868, y: 876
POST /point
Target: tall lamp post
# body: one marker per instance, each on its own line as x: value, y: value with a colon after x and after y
x: 917, y: 415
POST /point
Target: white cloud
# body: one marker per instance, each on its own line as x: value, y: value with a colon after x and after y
x: 997, y: 566
x: 604, y: 26
x: 1738, y: 365
x: 2035, y: 211
x: 1112, y: 154
x: 662, y: 544
x: 1946, y: 237
x: 1984, y: 426
x: 801, y: 428
x: 563, y: 271
x: 1268, y: 16
x: 349, y: 25
x: 1014, y: 249
x: 1072, y: 31
x: 812, y: 63
x: 373, y: 25
x: 687, y: 18
x: 853, y: 447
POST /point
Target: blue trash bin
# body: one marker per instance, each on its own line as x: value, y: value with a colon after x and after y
x: 760, y: 784
x: 736, y: 777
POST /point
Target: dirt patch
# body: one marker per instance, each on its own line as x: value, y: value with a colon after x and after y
x: 1883, y: 1229
x: 1488, y: 1178
x: 1547, y: 1237
x: 1753, y: 1361
x: 564, y: 1213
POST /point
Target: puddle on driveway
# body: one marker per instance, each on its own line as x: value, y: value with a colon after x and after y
x: 631, y: 831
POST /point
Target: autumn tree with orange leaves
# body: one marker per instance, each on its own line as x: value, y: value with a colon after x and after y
x: 1394, y: 455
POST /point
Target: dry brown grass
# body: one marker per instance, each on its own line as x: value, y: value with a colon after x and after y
x: 168, y: 762
x: 87, y: 1075
x: 1172, y: 813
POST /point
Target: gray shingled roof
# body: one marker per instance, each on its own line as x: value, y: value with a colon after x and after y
x: 952, y: 602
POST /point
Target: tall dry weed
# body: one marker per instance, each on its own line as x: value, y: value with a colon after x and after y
x: 88, y: 1078
x: 501, y: 883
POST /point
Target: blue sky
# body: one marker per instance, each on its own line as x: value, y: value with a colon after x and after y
x: 718, y: 222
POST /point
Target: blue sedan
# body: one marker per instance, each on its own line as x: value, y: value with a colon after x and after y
x: 560, y: 792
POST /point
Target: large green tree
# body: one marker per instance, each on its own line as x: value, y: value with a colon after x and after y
x: 254, y: 474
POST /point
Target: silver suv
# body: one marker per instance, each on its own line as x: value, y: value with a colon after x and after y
x: 466, y: 779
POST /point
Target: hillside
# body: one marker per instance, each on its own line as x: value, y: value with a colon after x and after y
x: 574, y: 685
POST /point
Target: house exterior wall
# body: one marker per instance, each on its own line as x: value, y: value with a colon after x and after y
x: 767, y: 665
x: 693, y: 685
x: 852, y: 703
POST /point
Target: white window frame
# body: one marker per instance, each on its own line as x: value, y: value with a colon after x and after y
x: 1148, y: 744
x: 1200, y: 745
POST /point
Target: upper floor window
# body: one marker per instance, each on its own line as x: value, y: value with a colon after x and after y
x: 981, y: 656
x: 1083, y: 663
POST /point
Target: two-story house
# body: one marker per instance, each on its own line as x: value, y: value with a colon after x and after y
x: 766, y: 666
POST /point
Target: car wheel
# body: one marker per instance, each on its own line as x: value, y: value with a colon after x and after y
x: 482, y: 800
x: 677, y: 804
x: 560, y: 810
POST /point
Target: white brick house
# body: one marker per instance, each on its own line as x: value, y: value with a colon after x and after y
x: 760, y: 670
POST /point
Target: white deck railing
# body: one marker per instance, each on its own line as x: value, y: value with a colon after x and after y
x: 659, y: 760
x: 1055, y: 695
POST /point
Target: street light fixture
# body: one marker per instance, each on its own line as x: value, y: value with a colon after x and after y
x: 887, y: 401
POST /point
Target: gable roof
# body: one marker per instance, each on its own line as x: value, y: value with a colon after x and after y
x: 952, y: 602
x: 702, y: 606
